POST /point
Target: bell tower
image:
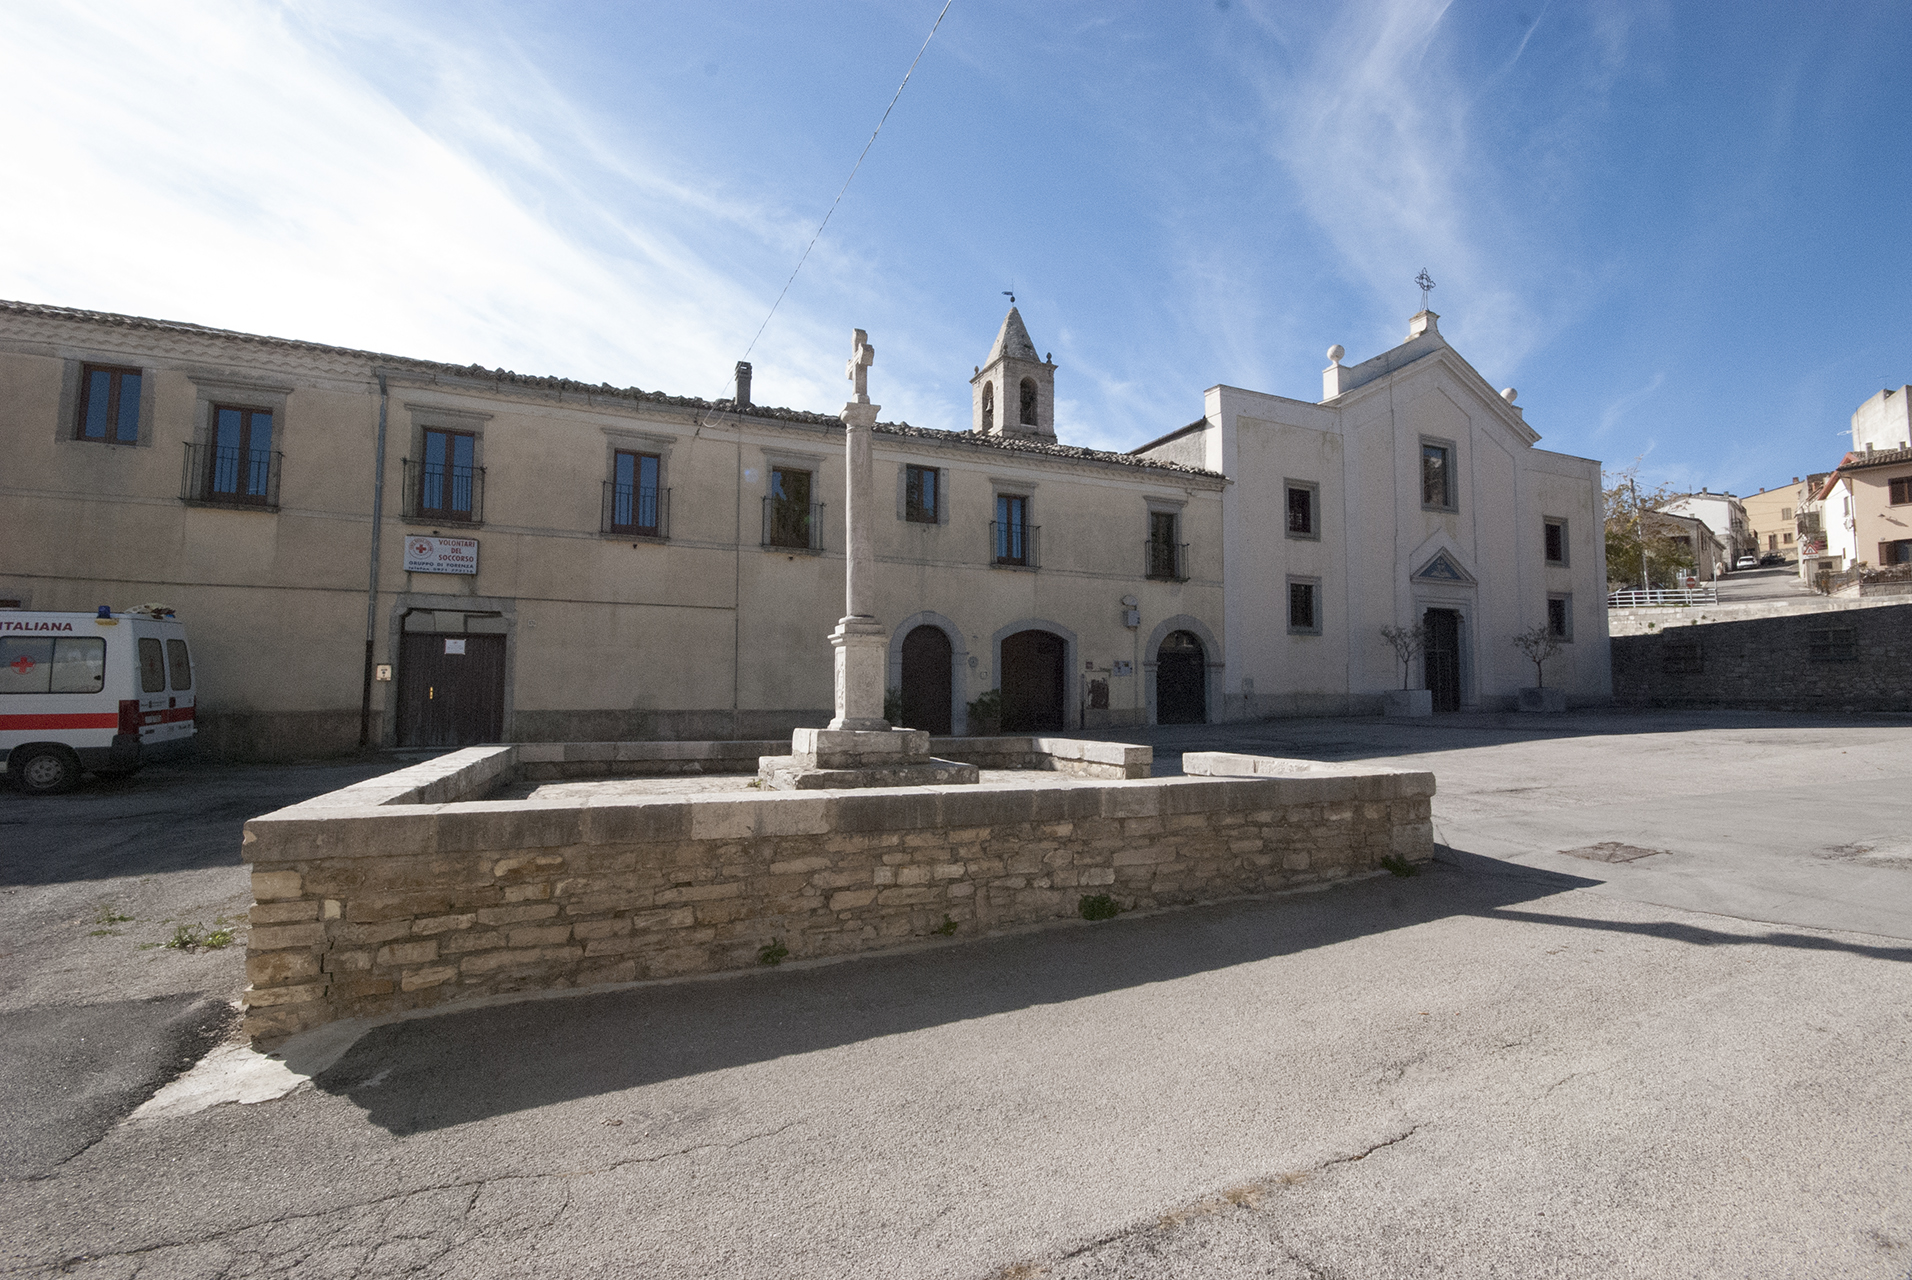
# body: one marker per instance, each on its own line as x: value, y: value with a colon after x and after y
x: 1014, y: 392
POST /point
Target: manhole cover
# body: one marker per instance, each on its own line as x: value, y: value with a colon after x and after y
x: 1612, y: 851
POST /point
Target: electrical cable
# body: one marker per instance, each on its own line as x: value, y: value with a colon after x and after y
x: 847, y: 181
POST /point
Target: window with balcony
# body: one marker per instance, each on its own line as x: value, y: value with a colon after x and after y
x: 1012, y: 534
x: 237, y: 465
x: 109, y: 404
x: 634, y: 505
x: 447, y: 484
x: 790, y: 518
x: 1167, y: 554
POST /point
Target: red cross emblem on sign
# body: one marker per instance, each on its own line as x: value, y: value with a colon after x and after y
x: 421, y: 548
x: 22, y: 664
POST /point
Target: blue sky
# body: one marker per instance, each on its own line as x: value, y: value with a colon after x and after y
x: 1680, y: 230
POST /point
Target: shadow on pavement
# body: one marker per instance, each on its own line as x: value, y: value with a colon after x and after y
x: 432, y: 1073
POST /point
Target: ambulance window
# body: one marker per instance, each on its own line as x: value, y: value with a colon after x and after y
x: 25, y: 663
x: 152, y: 666
x: 79, y: 664
x: 182, y: 667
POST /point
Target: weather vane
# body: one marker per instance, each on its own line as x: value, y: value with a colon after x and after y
x: 1011, y: 295
x: 1426, y: 282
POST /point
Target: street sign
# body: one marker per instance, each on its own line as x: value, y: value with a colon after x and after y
x: 441, y: 555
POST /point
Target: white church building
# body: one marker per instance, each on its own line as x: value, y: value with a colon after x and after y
x: 1410, y: 494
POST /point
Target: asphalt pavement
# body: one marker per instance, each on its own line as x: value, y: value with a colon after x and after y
x: 1527, y: 1061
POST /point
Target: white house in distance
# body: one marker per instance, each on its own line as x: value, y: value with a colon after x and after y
x: 1725, y: 515
x: 1412, y: 493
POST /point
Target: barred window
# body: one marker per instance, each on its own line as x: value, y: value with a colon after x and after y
x: 1832, y: 644
x: 1681, y: 658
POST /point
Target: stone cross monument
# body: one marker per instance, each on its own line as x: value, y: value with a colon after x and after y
x: 859, y: 748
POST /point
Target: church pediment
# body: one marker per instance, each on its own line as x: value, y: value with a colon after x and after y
x: 1442, y: 568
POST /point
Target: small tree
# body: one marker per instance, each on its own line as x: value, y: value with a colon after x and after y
x: 1407, y: 642
x: 1539, y: 644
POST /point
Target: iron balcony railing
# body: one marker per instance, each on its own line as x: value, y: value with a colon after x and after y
x: 1015, y: 545
x: 634, y: 512
x: 1166, y: 561
x: 1664, y: 596
x: 217, y: 476
x: 452, y: 494
x: 798, y: 525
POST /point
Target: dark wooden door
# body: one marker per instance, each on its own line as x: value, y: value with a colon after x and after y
x: 1181, y: 680
x: 1443, y: 658
x: 1032, y: 682
x: 451, y: 690
x: 926, y: 680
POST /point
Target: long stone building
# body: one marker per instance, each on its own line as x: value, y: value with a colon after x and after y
x: 373, y: 548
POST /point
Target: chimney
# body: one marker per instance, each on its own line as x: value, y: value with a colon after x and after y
x: 743, y: 384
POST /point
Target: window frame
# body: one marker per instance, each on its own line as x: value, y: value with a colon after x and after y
x: 1548, y: 525
x: 807, y: 504
x: 213, y: 496
x: 1019, y: 503
x: 1564, y: 599
x: 913, y: 510
x: 469, y: 513
x: 636, y: 529
x: 1450, y: 455
x: 1312, y: 585
x: 93, y: 645
x: 83, y: 399
x: 1289, y: 488
x: 1166, y: 557
x: 1898, y: 491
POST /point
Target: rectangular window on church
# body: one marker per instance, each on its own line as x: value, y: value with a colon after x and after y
x: 1303, y: 509
x: 921, y: 493
x: 1560, y: 617
x: 1556, y: 541
x: 1437, y: 476
x: 1304, y: 606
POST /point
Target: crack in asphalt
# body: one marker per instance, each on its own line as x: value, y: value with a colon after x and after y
x: 1247, y: 1196
x: 562, y: 1179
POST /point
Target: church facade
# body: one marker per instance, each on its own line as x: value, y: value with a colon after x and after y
x: 422, y: 554
x: 1410, y: 496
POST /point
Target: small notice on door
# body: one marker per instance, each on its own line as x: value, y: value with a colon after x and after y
x: 441, y: 555
x: 454, y: 646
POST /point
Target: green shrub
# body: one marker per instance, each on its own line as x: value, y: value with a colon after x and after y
x: 947, y: 928
x: 985, y: 714
x: 1098, y: 906
x: 773, y: 952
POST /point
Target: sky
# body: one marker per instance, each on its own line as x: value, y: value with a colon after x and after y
x: 1681, y: 230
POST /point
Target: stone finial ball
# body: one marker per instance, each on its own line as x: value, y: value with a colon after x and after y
x: 1337, y: 351
x: 1509, y: 394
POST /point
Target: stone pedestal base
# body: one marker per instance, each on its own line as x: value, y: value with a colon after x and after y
x: 833, y: 759
x: 1408, y: 702
x: 1543, y: 701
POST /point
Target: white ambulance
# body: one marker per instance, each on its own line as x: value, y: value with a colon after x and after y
x: 105, y: 692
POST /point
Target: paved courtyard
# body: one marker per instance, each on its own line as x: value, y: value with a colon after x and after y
x: 1679, y: 1049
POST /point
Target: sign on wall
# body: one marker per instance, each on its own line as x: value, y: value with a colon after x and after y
x: 441, y: 555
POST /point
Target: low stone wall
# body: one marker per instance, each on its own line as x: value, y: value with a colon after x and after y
x: 1841, y: 660
x: 1647, y: 621
x: 1076, y: 757
x: 368, y: 905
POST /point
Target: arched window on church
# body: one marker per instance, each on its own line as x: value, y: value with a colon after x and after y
x: 989, y: 406
x: 1028, y: 402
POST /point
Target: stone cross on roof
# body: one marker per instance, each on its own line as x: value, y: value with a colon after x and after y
x: 862, y: 356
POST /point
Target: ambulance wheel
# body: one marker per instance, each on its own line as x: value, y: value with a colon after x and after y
x: 44, y: 771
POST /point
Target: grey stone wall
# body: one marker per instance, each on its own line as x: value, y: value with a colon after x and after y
x: 366, y: 907
x: 1845, y: 660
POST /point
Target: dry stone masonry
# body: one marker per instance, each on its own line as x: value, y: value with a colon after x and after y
x: 399, y: 893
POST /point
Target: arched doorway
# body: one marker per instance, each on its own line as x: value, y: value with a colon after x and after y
x: 1032, y: 682
x: 926, y: 680
x: 1181, y: 680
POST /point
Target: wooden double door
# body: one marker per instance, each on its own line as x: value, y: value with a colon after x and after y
x: 451, y: 689
x: 1442, y: 657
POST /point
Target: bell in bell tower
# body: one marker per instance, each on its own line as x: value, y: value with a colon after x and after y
x: 1014, y: 392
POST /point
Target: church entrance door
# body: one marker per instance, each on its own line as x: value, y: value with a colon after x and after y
x: 451, y: 689
x: 1181, y: 680
x: 1032, y: 682
x: 926, y: 680
x: 1443, y: 658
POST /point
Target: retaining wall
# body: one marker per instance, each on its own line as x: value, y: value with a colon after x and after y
x: 368, y: 905
x: 1841, y: 660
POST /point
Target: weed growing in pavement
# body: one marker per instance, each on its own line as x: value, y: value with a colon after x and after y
x: 1098, y: 906
x: 947, y: 928
x: 190, y: 937
x: 773, y: 952
x: 111, y: 915
x: 104, y: 933
x: 1400, y: 866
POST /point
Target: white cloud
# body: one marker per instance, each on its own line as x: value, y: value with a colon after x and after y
x: 240, y: 167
